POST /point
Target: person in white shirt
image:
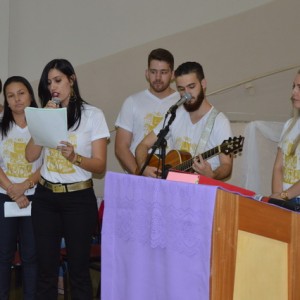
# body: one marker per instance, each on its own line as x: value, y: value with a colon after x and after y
x: 286, y: 171
x: 187, y: 129
x: 65, y: 204
x: 142, y: 111
x: 18, y: 180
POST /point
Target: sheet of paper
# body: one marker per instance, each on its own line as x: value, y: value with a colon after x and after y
x: 11, y: 209
x: 47, y: 126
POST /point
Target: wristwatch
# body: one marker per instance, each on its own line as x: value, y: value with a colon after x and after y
x: 284, y: 195
x: 78, y: 160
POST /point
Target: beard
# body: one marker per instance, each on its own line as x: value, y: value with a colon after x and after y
x: 159, y: 86
x: 190, y: 107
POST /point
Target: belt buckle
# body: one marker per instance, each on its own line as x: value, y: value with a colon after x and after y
x: 58, y: 188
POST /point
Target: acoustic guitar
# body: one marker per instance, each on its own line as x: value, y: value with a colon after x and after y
x: 183, y: 161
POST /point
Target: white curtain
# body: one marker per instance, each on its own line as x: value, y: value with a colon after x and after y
x: 253, y: 168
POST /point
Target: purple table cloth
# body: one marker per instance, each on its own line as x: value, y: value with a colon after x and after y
x: 156, y: 239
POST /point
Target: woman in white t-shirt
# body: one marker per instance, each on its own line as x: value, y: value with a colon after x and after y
x: 65, y: 204
x: 286, y: 172
x: 18, y: 178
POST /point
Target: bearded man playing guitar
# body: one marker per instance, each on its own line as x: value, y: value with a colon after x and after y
x: 186, y: 132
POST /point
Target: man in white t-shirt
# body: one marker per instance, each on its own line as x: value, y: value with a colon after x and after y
x: 197, y: 127
x: 142, y: 111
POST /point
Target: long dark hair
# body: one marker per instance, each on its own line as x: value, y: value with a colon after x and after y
x: 76, y: 102
x: 8, y: 119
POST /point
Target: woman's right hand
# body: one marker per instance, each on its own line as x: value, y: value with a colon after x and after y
x: 16, y: 190
x: 51, y: 104
x: 22, y: 201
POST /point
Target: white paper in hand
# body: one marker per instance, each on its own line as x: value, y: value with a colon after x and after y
x: 11, y: 209
x: 47, y: 126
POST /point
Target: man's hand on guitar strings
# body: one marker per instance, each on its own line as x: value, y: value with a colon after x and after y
x: 152, y: 172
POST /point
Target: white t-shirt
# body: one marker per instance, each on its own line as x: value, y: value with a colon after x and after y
x: 185, y: 136
x: 141, y: 113
x: 12, y: 157
x: 93, y: 126
x: 291, y: 163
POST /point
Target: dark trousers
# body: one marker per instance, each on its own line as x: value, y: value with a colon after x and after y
x: 295, y: 200
x: 15, y: 229
x: 72, y: 215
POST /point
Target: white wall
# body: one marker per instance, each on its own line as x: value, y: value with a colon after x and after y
x: 4, y: 35
x: 85, y: 31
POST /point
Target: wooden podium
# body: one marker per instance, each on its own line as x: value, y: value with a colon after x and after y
x: 166, y: 241
x: 255, y: 251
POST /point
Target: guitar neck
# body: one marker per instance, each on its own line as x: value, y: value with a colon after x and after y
x: 186, y: 165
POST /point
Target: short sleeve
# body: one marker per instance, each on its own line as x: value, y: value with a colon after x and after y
x: 99, y: 128
x: 125, y: 117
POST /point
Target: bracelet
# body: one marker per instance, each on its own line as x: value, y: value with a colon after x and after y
x: 78, y: 160
x: 31, y: 184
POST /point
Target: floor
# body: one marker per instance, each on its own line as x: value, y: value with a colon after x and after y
x: 16, y: 285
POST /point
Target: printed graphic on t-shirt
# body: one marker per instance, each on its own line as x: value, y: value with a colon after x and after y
x: 56, y: 162
x: 151, y: 121
x: 185, y: 144
x: 291, y: 172
x: 14, y: 153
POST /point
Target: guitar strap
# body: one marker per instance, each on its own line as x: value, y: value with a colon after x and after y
x: 206, y: 132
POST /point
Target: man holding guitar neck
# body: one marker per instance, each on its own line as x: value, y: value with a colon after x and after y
x: 197, y: 128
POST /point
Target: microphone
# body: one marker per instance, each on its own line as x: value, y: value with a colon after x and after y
x: 185, y: 98
x: 56, y: 100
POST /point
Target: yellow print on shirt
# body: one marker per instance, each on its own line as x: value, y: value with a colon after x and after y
x: 151, y: 121
x: 56, y: 162
x: 185, y: 144
x: 14, y: 153
x: 291, y: 171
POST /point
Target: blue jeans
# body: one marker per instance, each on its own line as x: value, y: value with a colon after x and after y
x: 70, y: 215
x: 295, y: 200
x: 12, y: 230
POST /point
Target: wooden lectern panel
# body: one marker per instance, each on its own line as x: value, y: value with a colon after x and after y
x: 233, y: 216
x: 256, y: 274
